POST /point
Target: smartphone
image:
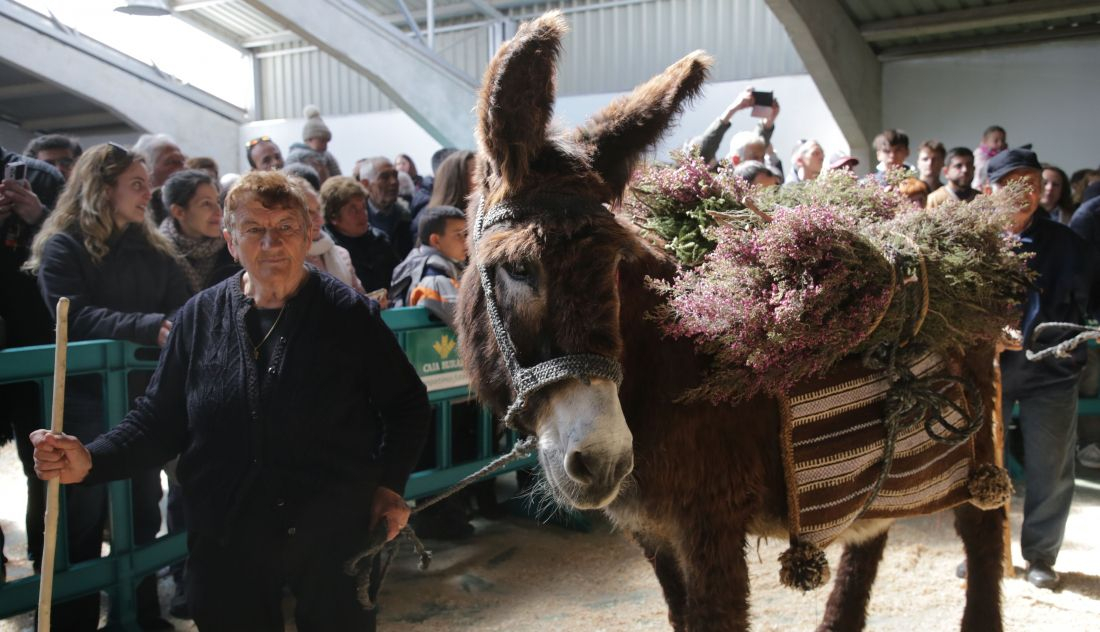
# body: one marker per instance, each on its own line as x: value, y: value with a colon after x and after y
x: 762, y: 104
x: 16, y: 170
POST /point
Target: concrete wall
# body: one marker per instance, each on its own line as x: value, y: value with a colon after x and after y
x: 1044, y: 94
x: 803, y: 115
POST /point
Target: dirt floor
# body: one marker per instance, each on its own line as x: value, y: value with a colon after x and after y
x: 517, y: 574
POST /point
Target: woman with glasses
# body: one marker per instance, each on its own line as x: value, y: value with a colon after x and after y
x: 297, y: 418
x: 122, y: 279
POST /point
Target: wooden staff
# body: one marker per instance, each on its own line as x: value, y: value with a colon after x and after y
x: 53, y: 491
x: 1000, y: 428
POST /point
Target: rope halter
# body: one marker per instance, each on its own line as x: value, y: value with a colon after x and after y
x: 527, y: 380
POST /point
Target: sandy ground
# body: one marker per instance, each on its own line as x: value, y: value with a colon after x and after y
x: 519, y: 574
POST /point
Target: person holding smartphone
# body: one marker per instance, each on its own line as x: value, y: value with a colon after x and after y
x: 752, y: 144
x: 28, y: 188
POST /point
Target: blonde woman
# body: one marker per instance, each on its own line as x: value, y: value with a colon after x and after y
x: 98, y: 249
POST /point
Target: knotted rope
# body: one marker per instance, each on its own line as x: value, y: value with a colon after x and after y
x: 377, y: 542
x: 911, y: 398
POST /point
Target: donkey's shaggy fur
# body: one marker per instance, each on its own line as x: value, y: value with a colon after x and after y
x: 575, y: 281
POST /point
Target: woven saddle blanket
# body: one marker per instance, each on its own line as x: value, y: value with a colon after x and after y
x: 833, y: 440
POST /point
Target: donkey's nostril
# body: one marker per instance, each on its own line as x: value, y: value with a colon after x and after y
x: 576, y: 467
x: 624, y: 467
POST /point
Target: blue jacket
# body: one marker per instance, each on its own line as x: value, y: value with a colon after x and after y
x: 338, y: 411
x: 1059, y: 294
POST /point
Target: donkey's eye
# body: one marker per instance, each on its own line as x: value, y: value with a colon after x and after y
x: 518, y: 270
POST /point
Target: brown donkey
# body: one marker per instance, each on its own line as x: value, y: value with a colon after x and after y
x: 564, y: 345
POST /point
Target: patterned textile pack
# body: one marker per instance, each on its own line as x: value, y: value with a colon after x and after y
x: 833, y: 448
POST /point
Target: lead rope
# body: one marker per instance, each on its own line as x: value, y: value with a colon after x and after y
x: 1062, y: 349
x: 378, y: 543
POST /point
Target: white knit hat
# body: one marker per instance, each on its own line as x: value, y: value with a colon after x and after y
x: 315, y: 127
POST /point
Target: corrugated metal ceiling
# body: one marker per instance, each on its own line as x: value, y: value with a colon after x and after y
x: 897, y: 28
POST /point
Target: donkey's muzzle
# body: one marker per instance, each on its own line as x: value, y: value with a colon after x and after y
x: 598, y: 469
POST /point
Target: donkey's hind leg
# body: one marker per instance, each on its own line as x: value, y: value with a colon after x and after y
x: 982, y: 536
x: 671, y: 578
x: 846, y: 610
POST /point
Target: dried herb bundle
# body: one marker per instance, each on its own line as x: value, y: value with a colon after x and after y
x: 843, y: 266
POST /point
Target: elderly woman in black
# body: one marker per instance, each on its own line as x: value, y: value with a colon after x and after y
x: 297, y: 418
x: 98, y: 249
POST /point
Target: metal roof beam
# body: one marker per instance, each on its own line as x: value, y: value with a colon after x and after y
x: 987, y: 41
x: 180, y: 7
x: 842, y: 65
x: 21, y: 90
x: 71, y: 121
x: 1008, y: 14
x: 270, y: 39
x: 401, y: 68
x: 488, y: 9
x: 410, y: 21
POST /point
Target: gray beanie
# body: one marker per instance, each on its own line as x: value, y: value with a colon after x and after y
x: 315, y: 127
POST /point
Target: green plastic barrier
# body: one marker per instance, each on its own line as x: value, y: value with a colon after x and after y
x: 431, y: 347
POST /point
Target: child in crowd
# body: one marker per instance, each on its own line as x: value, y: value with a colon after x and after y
x: 429, y: 274
x: 317, y: 136
x: 994, y: 141
x: 892, y: 149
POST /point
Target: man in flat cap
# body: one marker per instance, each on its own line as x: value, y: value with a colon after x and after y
x: 1046, y: 390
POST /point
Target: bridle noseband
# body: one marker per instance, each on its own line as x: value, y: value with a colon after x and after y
x: 527, y: 380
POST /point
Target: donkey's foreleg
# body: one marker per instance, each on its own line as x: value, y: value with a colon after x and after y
x: 847, y: 607
x: 982, y: 536
x: 716, y: 577
x: 671, y: 578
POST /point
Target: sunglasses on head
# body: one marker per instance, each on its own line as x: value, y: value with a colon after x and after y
x: 256, y: 141
x: 117, y: 151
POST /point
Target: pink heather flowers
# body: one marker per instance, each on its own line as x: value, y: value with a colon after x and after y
x: 782, y: 303
x: 774, y: 303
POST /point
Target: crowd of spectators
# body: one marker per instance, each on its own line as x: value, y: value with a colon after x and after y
x: 130, y: 234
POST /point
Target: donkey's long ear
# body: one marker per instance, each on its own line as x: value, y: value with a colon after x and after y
x: 517, y: 98
x: 618, y: 134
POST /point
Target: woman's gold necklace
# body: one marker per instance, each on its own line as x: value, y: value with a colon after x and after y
x: 256, y: 348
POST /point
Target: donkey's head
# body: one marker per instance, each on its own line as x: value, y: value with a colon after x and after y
x: 539, y: 307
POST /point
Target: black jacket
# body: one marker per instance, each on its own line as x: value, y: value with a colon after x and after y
x: 124, y: 297
x: 338, y: 411
x: 395, y: 224
x: 26, y: 319
x: 1060, y: 294
x: 372, y: 256
x: 1086, y: 223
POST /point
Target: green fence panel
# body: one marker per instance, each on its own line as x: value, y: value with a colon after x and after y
x: 430, y: 346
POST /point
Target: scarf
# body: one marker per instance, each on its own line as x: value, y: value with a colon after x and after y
x: 197, y: 255
x: 322, y: 255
